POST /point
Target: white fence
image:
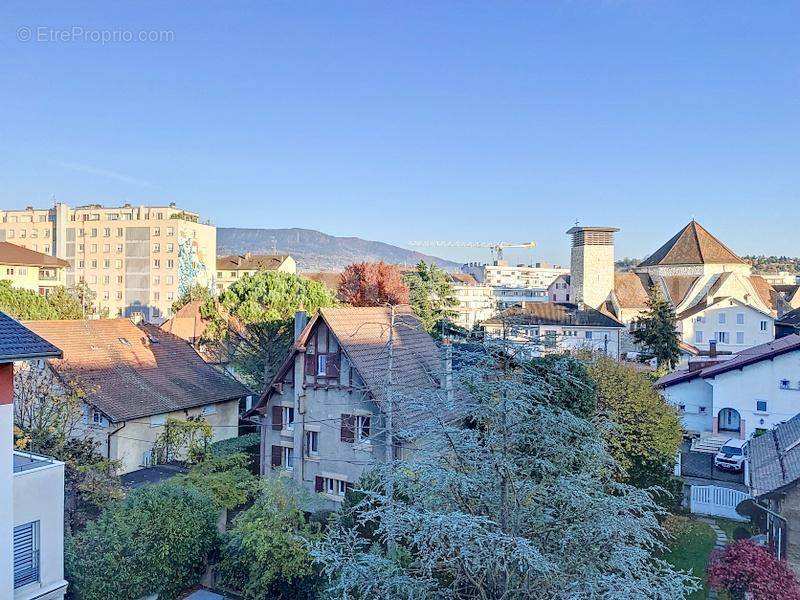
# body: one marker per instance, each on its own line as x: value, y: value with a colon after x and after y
x: 716, y: 501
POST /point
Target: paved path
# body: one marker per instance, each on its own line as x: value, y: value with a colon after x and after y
x: 722, y: 541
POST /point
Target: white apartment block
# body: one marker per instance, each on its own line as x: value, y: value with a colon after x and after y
x: 501, y: 274
x: 138, y: 259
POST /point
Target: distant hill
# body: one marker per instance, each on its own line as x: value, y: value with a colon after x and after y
x: 317, y: 251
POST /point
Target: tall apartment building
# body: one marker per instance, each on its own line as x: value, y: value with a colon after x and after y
x: 138, y: 259
x: 513, y: 285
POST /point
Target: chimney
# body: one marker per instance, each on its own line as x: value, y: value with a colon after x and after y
x: 300, y: 322
x: 247, y: 255
x: 712, y: 348
x: 446, y: 355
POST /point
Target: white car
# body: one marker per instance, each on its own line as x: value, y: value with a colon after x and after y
x: 731, y: 456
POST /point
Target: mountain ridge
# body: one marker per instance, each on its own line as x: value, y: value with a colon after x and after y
x: 317, y: 251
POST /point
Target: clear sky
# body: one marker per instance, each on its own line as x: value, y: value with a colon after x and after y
x: 401, y: 120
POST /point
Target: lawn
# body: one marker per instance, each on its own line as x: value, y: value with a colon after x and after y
x: 690, y: 548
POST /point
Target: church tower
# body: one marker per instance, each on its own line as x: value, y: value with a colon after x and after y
x: 592, y: 265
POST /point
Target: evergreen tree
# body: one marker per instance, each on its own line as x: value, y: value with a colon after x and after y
x: 521, y: 504
x: 431, y: 295
x: 657, y: 330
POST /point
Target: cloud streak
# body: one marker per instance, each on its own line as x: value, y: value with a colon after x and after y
x: 79, y: 168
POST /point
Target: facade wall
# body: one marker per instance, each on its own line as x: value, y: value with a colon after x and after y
x: 39, y: 496
x: 132, y: 443
x: 592, y: 274
x: 137, y: 259
x: 501, y: 274
x: 476, y: 303
x: 319, y: 408
x: 744, y: 327
x: 694, y: 400
x: 36, y: 279
x: 790, y: 510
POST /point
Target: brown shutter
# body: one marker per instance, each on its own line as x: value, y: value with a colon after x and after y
x: 348, y: 428
x: 332, y: 366
x: 319, y: 484
x: 365, y: 427
x: 277, y: 418
x: 277, y: 456
x: 311, y: 365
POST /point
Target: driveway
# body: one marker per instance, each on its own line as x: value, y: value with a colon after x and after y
x: 700, y: 465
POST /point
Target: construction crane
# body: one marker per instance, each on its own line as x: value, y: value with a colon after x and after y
x: 496, y: 247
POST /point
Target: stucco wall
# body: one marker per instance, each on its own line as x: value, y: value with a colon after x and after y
x: 710, y: 326
x: 790, y: 509
x: 39, y: 496
x: 695, y: 395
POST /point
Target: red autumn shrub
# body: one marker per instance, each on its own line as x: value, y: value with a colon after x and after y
x: 372, y: 284
x: 744, y: 567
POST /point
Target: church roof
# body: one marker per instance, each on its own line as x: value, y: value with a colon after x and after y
x: 692, y: 245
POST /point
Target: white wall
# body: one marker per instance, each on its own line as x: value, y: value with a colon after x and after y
x: 696, y: 397
x: 39, y: 496
x: 740, y: 335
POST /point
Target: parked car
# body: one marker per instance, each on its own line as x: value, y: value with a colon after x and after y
x: 731, y: 456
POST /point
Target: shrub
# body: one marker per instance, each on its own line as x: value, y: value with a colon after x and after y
x: 157, y: 540
x: 745, y: 569
x: 266, y: 552
x: 247, y: 444
x: 225, y: 479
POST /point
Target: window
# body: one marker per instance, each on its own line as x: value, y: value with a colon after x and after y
x: 118, y: 263
x: 106, y: 247
x: 170, y: 263
x: 26, y: 554
x: 785, y: 384
x: 682, y: 407
x: 702, y: 410
x: 156, y: 231
x: 106, y: 232
x: 157, y: 280
x: 156, y: 247
x: 698, y: 337
x: 722, y: 318
x: 312, y: 443
x: 740, y: 337
x: 170, y: 231
x: 740, y: 318
x: 322, y: 364
x: 170, y: 247
x: 211, y: 409
x: 106, y: 263
x: 158, y: 420
x: 763, y: 325
x: 170, y: 279
x: 332, y: 486
x: 10, y: 271
x: 723, y: 337
x: 287, y: 417
x: 94, y: 232
x: 283, y: 457
x: 761, y: 405
x: 587, y: 335
x: 355, y: 428
x: 94, y: 263
x: 119, y: 231
x: 156, y: 263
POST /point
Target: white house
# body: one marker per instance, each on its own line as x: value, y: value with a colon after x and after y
x: 31, y: 489
x: 750, y: 393
x: 549, y: 327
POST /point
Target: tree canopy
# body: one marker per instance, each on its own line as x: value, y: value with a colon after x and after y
x: 372, y: 284
x: 645, y: 431
x: 522, y: 504
x: 431, y: 295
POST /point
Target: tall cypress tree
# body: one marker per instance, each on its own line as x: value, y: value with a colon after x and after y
x: 657, y: 330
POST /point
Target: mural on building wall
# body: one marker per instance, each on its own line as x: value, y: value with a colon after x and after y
x: 192, y: 262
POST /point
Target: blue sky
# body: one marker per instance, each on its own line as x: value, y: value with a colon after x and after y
x: 398, y: 121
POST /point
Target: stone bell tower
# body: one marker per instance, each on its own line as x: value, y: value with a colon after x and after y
x: 592, y: 265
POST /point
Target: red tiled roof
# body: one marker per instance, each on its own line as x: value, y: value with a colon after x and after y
x: 329, y: 279
x: 631, y: 289
x: 765, y: 291
x: 692, y: 245
x: 11, y: 254
x: 130, y: 371
x: 554, y: 313
x: 678, y: 286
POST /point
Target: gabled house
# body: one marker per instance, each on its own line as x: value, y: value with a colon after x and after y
x: 31, y: 270
x: 773, y: 475
x: 134, y: 377
x: 556, y: 327
x: 324, y: 415
x: 31, y: 488
x: 738, y: 395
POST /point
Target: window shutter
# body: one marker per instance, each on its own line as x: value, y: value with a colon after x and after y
x: 26, y: 554
x: 332, y: 366
x: 277, y: 455
x: 365, y: 426
x: 311, y: 364
x: 319, y: 484
x: 348, y: 428
x: 277, y: 418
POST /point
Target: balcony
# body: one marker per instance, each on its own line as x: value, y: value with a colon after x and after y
x: 26, y: 461
x: 45, y: 275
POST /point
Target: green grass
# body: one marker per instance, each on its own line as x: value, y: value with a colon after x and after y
x: 689, y: 550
